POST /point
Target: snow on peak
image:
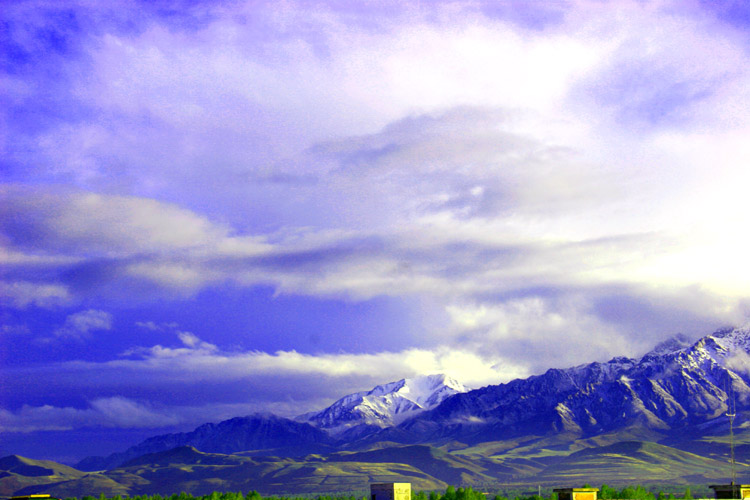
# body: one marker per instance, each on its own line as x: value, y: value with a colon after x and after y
x: 732, y: 339
x: 387, y: 404
x: 669, y: 346
x: 428, y: 391
x: 725, y: 347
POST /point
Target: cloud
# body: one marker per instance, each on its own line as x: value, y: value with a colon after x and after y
x: 533, y: 328
x: 165, y: 108
x: 199, y: 357
x: 15, y: 329
x: 594, y: 323
x: 103, y: 412
x: 192, y: 346
x: 668, y: 81
x: 511, y: 157
x: 739, y: 362
x: 148, y: 325
x: 21, y: 294
x: 162, y: 103
x: 80, y: 325
x: 571, y: 175
x: 197, y: 382
x: 156, y: 327
x: 443, y: 252
x: 93, y: 242
x: 97, y: 225
x: 185, y: 381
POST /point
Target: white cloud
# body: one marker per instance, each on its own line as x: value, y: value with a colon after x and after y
x: 349, y: 79
x: 156, y: 327
x: 22, y: 294
x: 121, y: 412
x: 198, y: 360
x: 148, y: 325
x: 79, y: 325
x: 14, y: 329
x: 47, y: 221
x: 535, y: 329
x: 439, y: 153
x: 103, y: 412
x: 441, y: 255
x: 739, y: 362
x: 451, y: 128
x: 223, y: 384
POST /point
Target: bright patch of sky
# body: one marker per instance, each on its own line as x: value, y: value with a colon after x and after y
x: 215, y: 208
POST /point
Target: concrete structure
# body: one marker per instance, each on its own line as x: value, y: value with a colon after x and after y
x: 391, y: 491
x: 576, y: 493
x: 731, y: 490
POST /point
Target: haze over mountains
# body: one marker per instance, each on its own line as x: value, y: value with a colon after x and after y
x: 664, y: 410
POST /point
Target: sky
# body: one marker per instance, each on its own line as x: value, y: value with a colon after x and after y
x: 215, y: 208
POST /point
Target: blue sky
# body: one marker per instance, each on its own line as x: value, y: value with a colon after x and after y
x: 216, y: 208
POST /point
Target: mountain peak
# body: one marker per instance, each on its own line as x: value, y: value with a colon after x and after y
x: 672, y: 344
x: 387, y: 404
x: 727, y: 342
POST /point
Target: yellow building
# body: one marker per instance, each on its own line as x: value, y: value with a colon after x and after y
x: 576, y: 493
x: 390, y: 491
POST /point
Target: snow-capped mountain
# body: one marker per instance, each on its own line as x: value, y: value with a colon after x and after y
x: 676, y: 385
x: 385, y: 405
x: 677, y: 389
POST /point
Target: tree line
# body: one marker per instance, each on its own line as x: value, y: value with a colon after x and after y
x: 606, y: 492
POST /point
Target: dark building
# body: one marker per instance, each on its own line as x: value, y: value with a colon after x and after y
x: 731, y: 490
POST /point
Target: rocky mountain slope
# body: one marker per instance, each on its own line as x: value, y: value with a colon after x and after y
x: 18, y: 472
x: 261, y: 434
x: 671, y: 388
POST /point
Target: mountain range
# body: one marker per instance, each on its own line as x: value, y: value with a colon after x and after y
x: 260, y: 434
x: 661, y: 416
x: 360, y: 414
x: 669, y: 389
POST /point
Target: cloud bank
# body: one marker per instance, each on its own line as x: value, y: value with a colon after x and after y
x: 535, y: 184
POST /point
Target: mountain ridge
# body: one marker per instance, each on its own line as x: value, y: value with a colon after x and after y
x: 261, y: 433
x: 676, y: 386
x: 348, y: 418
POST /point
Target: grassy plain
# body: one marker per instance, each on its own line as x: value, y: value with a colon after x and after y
x: 502, y: 465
